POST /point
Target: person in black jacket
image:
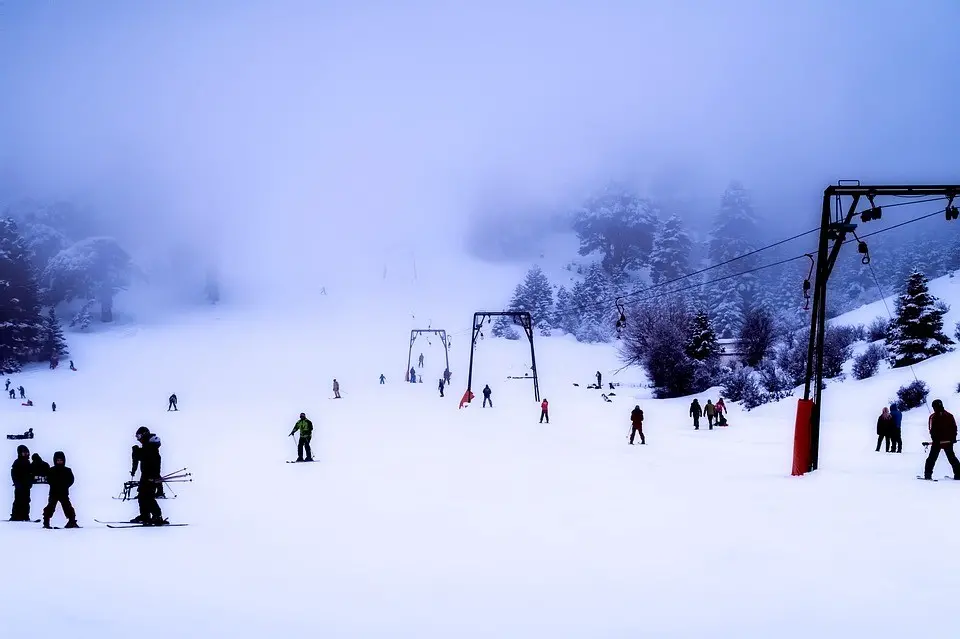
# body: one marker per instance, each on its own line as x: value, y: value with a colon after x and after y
x: 60, y: 479
x: 22, y: 477
x: 38, y: 467
x: 135, y: 454
x: 636, y: 419
x: 486, y: 396
x: 149, y: 461
x: 172, y: 405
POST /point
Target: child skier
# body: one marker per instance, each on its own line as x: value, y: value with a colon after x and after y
x: 60, y: 479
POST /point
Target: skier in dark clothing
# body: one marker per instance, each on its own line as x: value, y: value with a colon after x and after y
x: 486, y: 396
x: 12, y: 393
x: 148, y: 458
x: 305, y: 426
x: 7, y: 386
x: 60, y: 479
x: 413, y: 376
x: 22, y: 476
x: 38, y: 467
x: 23, y: 394
x: 421, y: 360
x: 599, y: 380
x: 136, y: 457
x: 442, y: 384
x: 383, y: 380
x: 943, y: 435
x: 885, y: 425
x: 636, y: 419
x: 896, y: 438
x: 54, y: 406
x: 544, y: 411
x: 173, y: 403
x: 447, y: 375
x: 72, y: 367
x: 696, y: 412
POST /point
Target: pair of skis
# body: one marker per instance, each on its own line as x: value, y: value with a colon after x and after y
x: 130, y: 524
x: 945, y: 477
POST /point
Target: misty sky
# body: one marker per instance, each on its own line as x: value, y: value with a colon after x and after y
x: 322, y: 131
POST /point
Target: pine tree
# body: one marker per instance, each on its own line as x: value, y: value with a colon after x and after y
x: 670, y: 258
x: 619, y: 225
x: 702, y: 344
x: 54, y: 344
x: 504, y: 327
x: 534, y: 295
x: 592, y: 298
x: 734, y: 233
x: 21, y: 326
x: 565, y: 315
x: 917, y: 332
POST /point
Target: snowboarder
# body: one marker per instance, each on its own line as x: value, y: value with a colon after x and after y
x: 383, y: 380
x: 696, y: 412
x: 421, y: 360
x: 544, y: 411
x: 172, y: 403
x: 60, y: 479
x: 710, y: 411
x: 305, y: 426
x: 22, y: 477
x: 636, y: 419
x: 721, y: 409
x: 54, y: 406
x: 413, y: 375
x: 943, y: 435
x: 884, y: 429
x: 38, y: 467
x: 336, y: 388
x: 486, y: 396
x: 599, y: 380
x: 23, y: 394
x: 896, y: 438
x: 442, y: 383
x: 72, y: 367
x: 148, y: 457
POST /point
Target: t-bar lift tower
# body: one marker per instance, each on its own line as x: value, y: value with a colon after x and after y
x: 522, y: 319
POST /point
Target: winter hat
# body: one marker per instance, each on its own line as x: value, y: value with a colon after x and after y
x: 937, y: 405
x: 143, y: 430
x: 59, y: 455
x: 21, y: 449
x: 36, y: 457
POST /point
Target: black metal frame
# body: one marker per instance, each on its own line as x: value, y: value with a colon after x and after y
x: 833, y: 234
x: 521, y: 318
x: 413, y: 337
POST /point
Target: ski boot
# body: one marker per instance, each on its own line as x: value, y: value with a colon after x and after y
x: 157, y: 520
x: 72, y: 524
x: 46, y: 523
x: 139, y: 519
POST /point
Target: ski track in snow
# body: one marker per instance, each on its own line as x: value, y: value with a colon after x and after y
x: 422, y: 520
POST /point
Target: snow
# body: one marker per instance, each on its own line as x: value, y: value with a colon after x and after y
x: 422, y: 520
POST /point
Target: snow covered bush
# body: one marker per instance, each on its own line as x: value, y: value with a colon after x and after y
x: 776, y: 381
x: 738, y: 383
x: 503, y: 327
x: 867, y: 363
x: 837, y: 349
x: 956, y: 331
x: 757, y: 335
x: 912, y: 395
x: 878, y: 329
x: 850, y: 334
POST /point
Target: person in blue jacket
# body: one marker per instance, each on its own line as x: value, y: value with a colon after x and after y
x: 896, y: 441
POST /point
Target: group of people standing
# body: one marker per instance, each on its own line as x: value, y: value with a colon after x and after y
x: 713, y: 413
x: 888, y: 429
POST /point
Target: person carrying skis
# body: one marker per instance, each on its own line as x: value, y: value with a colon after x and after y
x: 22, y: 476
x: 486, y: 396
x: 896, y: 438
x: 943, y: 435
x: 441, y: 385
x: 336, y: 388
x: 696, y: 412
x: 636, y: 419
x: 305, y: 426
x: 710, y: 411
x: 173, y: 403
x: 150, y: 484
x: 544, y: 411
x: 60, y: 479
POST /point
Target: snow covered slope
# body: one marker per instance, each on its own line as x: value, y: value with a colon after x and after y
x: 422, y: 520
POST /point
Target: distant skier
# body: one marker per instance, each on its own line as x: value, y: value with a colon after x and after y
x: 60, y: 479
x: 636, y: 419
x: 23, y: 394
x: 383, y: 380
x: 943, y: 435
x: 172, y: 403
x: 7, y: 385
x: 413, y: 376
x: 336, y: 388
x: 305, y: 426
x: 896, y: 437
x: 710, y: 411
x: 148, y: 457
x: 884, y: 429
x: 599, y: 380
x: 486, y: 396
x: 54, y: 406
x: 38, y: 467
x: 12, y: 393
x: 72, y: 367
x: 442, y: 382
x: 421, y: 360
x: 22, y: 477
x: 544, y: 411
x: 447, y: 375
x: 696, y: 412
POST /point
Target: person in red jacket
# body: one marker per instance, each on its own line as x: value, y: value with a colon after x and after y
x: 544, y: 411
x: 943, y: 435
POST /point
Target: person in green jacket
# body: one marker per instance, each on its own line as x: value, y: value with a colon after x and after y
x: 710, y: 411
x: 305, y: 426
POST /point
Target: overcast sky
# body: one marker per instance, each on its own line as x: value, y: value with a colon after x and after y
x: 323, y: 132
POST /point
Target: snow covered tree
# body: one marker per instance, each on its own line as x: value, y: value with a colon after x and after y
x: 724, y: 300
x: 53, y: 344
x: 620, y: 226
x: 82, y: 317
x: 734, y: 233
x: 670, y: 258
x: 592, y: 300
x: 702, y: 344
x: 94, y: 268
x: 534, y: 295
x: 917, y: 331
x: 757, y: 336
x: 565, y: 315
x: 20, y: 320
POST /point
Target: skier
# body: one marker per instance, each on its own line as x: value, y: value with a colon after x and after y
x: 7, y: 386
x: 148, y: 457
x: 441, y: 386
x: 486, y: 396
x: 383, y: 380
x: 336, y: 388
x: 885, y: 425
x: 60, y: 479
x: 22, y: 477
x: 305, y: 426
x: 896, y: 445
x: 413, y: 375
x: 721, y: 409
x: 172, y: 403
x: 136, y: 456
x: 54, y: 406
x: 13, y: 394
x: 544, y: 411
x: 599, y: 379
x: 636, y: 419
x: 696, y: 412
x: 72, y: 367
x: 710, y: 411
x: 943, y: 435
x: 23, y: 394
x: 38, y: 467
x: 447, y: 375
x: 421, y: 360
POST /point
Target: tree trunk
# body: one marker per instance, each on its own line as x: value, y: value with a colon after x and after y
x: 106, y: 307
